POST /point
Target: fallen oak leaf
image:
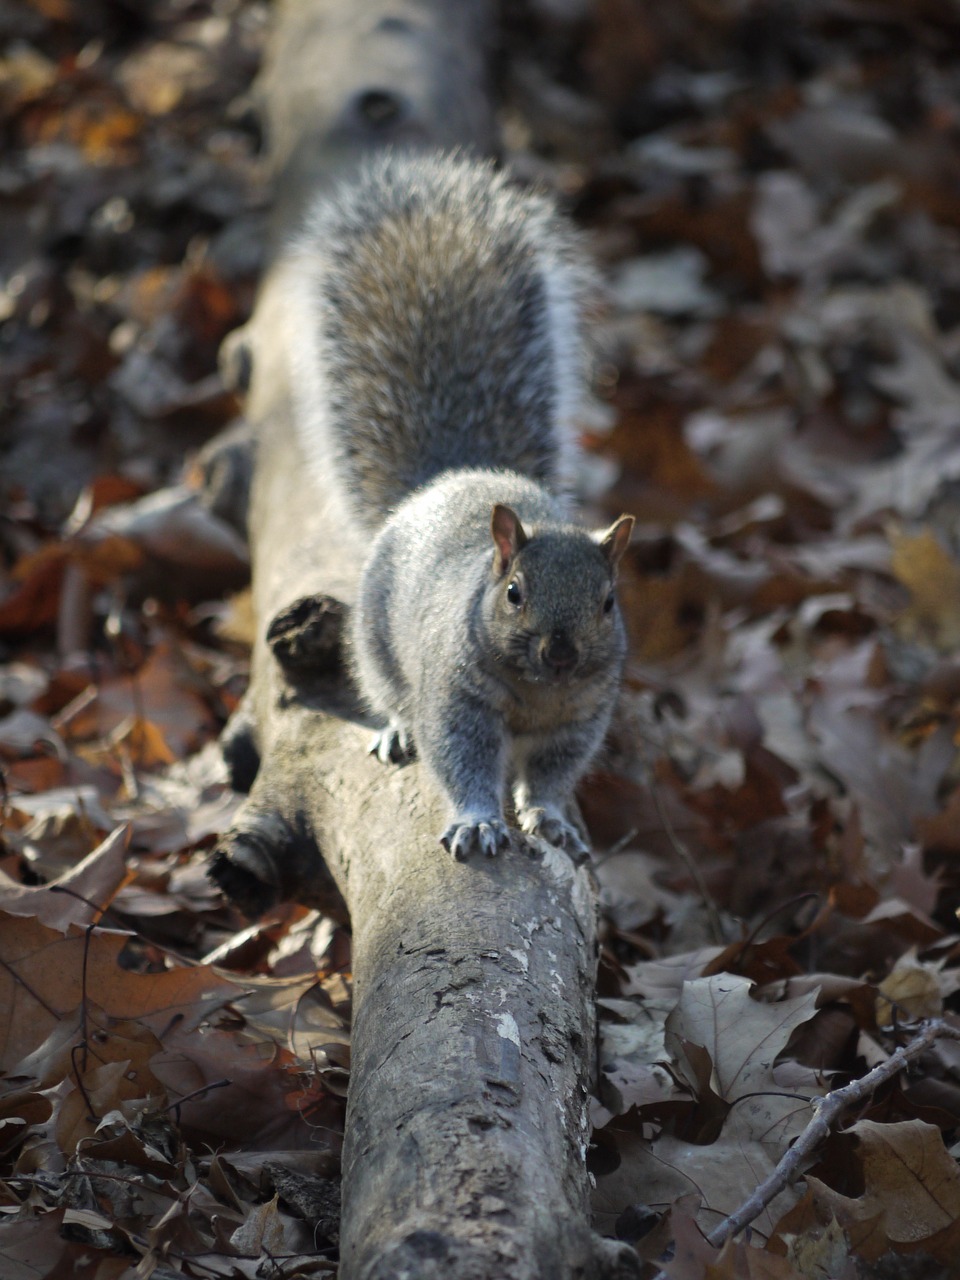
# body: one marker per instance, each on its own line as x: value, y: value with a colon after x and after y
x: 174, y: 525
x: 262, y: 1231
x: 46, y: 975
x: 892, y: 785
x: 911, y: 1192
x: 89, y: 1039
x: 911, y: 990
x: 932, y: 576
x: 719, y: 1174
x: 821, y: 1251
x: 743, y: 1037
x: 143, y: 741
x: 96, y: 1091
x: 723, y: 1043
x: 295, y: 1013
x: 80, y: 896
x: 262, y: 1107
x: 912, y: 884
x: 157, y: 711
x: 696, y: 1259
x: 664, y: 977
x: 32, y: 1248
x: 825, y: 1113
x: 33, y: 597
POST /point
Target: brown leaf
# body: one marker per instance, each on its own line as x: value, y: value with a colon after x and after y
x: 743, y: 1037
x: 295, y: 1013
x: 665, y: 977
x: 160, y: 695
x: 262, y: 1107
x: 174, y: 525
x: 261, y: 1232
x: 819, y: 1251
x: 723, y: 1043
x: 932, y: 577
x: 45, y: 976
x: 911, y: 1192
x: 32, y: 1248
x: 143, y: 741
x: 912, y: 989
x: 910, y: 881
x: 633, y: 1058
x: 32, y: 601
x: 105, y: 1089
x: 941, y: 832
x: 65, y: 901
x: 892, y: 785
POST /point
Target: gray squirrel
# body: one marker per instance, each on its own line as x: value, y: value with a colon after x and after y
x: 438, y: 366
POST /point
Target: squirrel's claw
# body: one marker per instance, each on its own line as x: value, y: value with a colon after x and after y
x: 547, y: 824
x: 392, y: 745
x: 470, y: 835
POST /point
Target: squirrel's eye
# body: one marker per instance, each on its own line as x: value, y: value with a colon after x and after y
x: 514, y: 594
x: 609, y: 602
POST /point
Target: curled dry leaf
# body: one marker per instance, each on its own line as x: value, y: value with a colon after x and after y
x: 723, y: 1044
x: 79, y: 896
x: 911, y: 1192
x: 174, y: 525
x: 46, y: 974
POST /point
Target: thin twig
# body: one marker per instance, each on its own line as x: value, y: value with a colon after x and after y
x: 78, y: 1078
x: 827, y: 1111
x: 84, y: 1039
x: 619, y: 847
x: 95, y: 907
x: 197, y: 1093
x: 685, y: 856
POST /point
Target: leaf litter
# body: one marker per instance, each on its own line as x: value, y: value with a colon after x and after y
x: 770, y: 190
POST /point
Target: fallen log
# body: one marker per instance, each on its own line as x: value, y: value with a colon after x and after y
x: 473, y: 1035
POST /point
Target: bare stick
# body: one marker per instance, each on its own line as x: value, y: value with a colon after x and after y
x: 826, y: 1111
x: 688, y: 860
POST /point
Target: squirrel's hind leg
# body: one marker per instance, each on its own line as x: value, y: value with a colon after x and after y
x: 393, y: 745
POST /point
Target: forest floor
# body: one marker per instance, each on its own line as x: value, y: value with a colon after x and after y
x: 772, y: 191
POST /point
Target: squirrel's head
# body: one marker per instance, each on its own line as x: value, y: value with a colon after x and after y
x: 551, y: 605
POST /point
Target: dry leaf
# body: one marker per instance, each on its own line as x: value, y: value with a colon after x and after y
x: 79, y: 896
x: 932, y: 576
x: 723, y: 1044
x: 911, y: 1192
x: 45, y: 975
x: 911, y: 991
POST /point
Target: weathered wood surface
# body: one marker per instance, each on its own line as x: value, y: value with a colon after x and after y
x: 473, y: 1038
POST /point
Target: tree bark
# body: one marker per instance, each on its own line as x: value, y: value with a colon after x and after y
x: 473, y: 1037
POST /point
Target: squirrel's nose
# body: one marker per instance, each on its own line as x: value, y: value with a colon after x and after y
x: 559, y: 652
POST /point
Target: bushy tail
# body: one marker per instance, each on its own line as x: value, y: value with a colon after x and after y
x: 438, y: 325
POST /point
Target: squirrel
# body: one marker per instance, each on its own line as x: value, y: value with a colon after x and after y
x: 438, y: 365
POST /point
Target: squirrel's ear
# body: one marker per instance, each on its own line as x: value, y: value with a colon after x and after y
x: 508, y: 535
x: 613, y: 541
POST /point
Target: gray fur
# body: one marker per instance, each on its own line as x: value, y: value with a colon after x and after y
x: 438, y: 315
x: 435, y: 331
x: 441, y: 655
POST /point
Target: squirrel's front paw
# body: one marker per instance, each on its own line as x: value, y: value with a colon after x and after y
x: 393, y: 745
x: 470, y: 834
x: 548, y: 824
